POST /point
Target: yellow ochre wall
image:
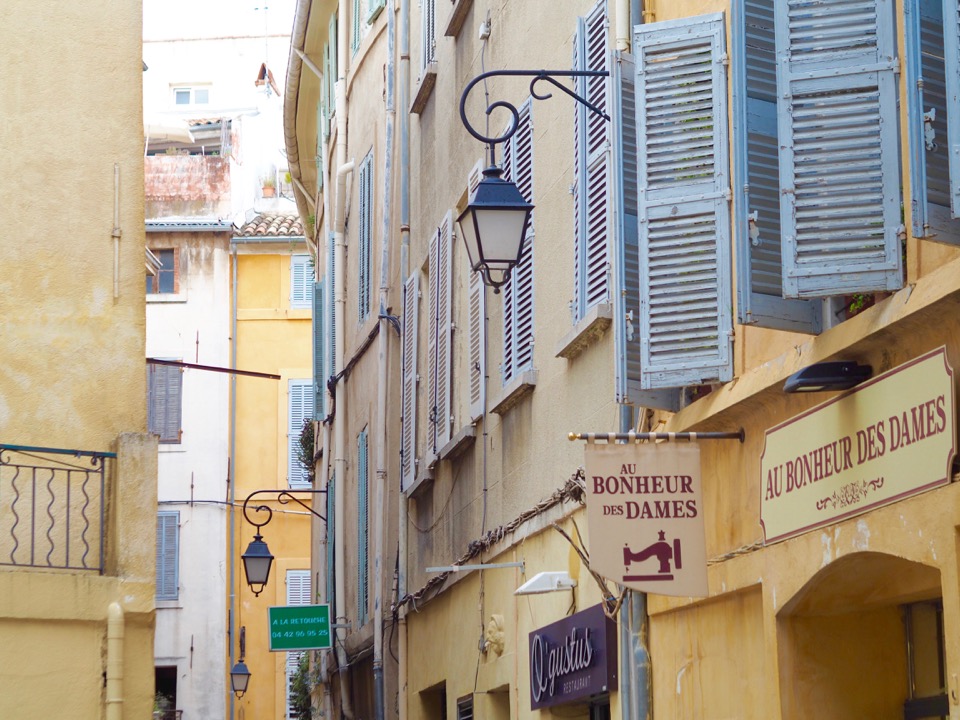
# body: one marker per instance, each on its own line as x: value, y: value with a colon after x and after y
x: 272, y: 338
x: 72, y: 369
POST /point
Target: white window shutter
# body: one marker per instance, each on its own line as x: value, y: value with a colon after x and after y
x: 168, y: 555
x: 301, y: 281
x: 365, y: 202
x: 299, y: 409
x: 408, y: 383
x: 622, y: 208
x: 363, y: 528
x: 951, y: 56
x: 684, y: 214
x: 428, y: 34
x: 839, y: 147
x: 518, y: 292
x: 355, y: 34
x: 476, y: 354
x: 757, y: 234
x: 441, y: 332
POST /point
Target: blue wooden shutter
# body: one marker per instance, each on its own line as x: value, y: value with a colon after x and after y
x: 165, y: 401
x: 363, y: 530
x: 428, y: 34
x: 168, y: 555
x: 839, y: 147
x: 518, y: 292
x: 319, y: 354
x: 757, y: 234
x: 592, y: 166
x: 299, y: 409
x: 684, y: 216
x: 440, y: 333
x: 951, y: 57
x: 408, y: 383
x: 365, y: 202
x: 623, y: 221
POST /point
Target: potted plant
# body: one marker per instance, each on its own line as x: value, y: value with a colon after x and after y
x: 269, y: 186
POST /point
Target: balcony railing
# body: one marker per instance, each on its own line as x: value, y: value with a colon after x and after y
x: 52, y: 507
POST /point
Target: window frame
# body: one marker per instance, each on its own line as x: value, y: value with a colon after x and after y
x: 155, y: 280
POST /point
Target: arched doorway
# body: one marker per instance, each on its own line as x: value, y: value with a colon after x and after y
x: 863, y: 638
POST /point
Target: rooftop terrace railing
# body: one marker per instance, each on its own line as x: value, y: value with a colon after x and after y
x: 52, y: 507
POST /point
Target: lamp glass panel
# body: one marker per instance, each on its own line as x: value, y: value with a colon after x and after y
x: 501, y: 233
x: 468, y: 231
x: 257, y: 569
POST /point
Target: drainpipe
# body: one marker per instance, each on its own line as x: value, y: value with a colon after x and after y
x: 648, y: 11
x: 404, y: 178
x: 115, y: 632
x: 232, y: 476
x: 382, y: 356
x: 116, y: 231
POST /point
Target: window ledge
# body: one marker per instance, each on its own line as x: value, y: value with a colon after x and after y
x: 458, y: 443
x: 424, y: 476
x: 586, y: 332
x: 513, y: 393
x: 457, y: 17
x: 425, y: 89
x: 169, y: 605
x: 166, y: 298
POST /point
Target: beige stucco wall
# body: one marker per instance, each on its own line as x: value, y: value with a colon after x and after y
x: 73, y: 354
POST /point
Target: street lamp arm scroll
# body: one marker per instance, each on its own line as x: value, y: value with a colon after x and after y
x: 537, y: 76
x: 283, y: 497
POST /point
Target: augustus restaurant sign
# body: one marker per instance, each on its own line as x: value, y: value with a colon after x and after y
x: 573, y: 658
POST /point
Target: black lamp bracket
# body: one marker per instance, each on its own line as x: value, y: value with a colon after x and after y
x: 283, y: 497
x: 537, y: 76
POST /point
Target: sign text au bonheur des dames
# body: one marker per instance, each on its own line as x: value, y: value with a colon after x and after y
x: 891, y: 437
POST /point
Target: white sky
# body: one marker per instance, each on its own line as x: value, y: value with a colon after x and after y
x: 178, y: 19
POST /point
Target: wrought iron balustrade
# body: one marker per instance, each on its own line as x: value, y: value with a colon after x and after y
x: 52, y: 507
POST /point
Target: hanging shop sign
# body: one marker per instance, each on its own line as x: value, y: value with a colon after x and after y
x: 645, y: 512
x: 299, y: 627
x: 573, y: 658
x: 889, y: 438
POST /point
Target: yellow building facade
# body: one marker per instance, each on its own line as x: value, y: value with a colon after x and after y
x: 772, y: 191
x: 273, y: 291
x: 78, y: 564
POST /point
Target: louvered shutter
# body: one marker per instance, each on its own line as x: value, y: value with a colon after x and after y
x: 331, y: 309
x: 331, y: 535
x: 363, y: 529
x: 951, y: 57
x: 428, y: 34
x: 355, y: 34
x: 319, y: 379
x: 839, y: 145
x: 375, y: 6
x: 299, y: 409
x: 298, y: 593
x: 518, y: 292
x: 684, y: 217
x: 164, y: 406
x: 476, y: 355
x: 929, y: 116
x: 592, y: 166
x: 440, y: 333
x: 408, y: 383
x: 168, y: 555
x: 757, y: 232
x: 301, y: 281
x: 622, y: 208
x: 366, y: 223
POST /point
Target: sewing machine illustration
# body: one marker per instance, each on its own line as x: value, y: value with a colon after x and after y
x: 662, y: 550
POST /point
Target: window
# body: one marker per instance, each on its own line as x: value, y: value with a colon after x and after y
x: 356, y: 27
x: 465, y: 708
x: 440, y: 334
x: 191, y: 95
x: 932, y: 68
x: 167, y: 277
x: 375, y: 6
x: 298, y: 593
x: 299, y: 410
x: 591, y: 167
x: 301, y: 281
x: 164, y: 401
x: 926, y: 661
x: 518, y: 292
x: 363, y: 529
x: 428, y: 35
x: 365, y: 202
x: 319, y: 353
x: 408, y: 382
x: 168, y: 555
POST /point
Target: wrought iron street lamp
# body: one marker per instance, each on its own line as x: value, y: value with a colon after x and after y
x: 257, y: 559
x: 494, y: 223
x: 239, y: 674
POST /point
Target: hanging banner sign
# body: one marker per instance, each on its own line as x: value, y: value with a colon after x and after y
x: 889, y: 438
x: 645, y: 511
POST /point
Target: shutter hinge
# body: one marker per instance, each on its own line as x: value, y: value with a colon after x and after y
x: 901, y: 232
x: 724, y: 60
x: 753, y: 228
x: 629, y: 326
x: 929, y: 134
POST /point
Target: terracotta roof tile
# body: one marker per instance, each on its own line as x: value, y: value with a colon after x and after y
x: 269, y: 225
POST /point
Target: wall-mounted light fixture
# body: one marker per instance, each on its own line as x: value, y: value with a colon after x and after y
x: 494, y: 224
x: 239, y: 674
x: 257, y: 559
x: 827, y: 376
x: 545, y: 582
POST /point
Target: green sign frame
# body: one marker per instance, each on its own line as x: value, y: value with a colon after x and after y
x: 299, y: 627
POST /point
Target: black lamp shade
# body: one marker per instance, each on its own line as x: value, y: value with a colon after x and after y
x: 239, y: 678
x: 256, y: 564
x: 827, y: 376
x: 493, y: 227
